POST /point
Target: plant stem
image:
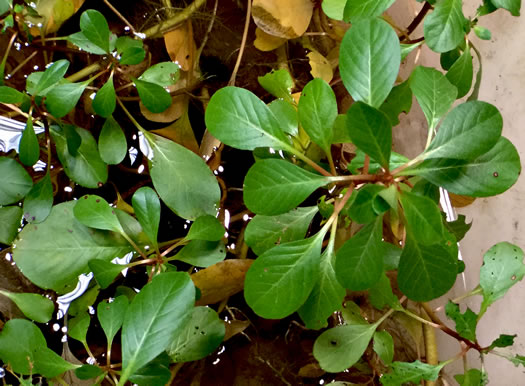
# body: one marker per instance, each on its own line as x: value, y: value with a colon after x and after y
x: 159, y: 29
x: 6, y: 55
x: 410, y: 163
x: 135, y: 246
x: 84, y: 72
x: 308, y: 161
x: 119, y: 15
x: 331, y: 162
x: 419, y: 18
x: 243, y: 43
x: 148, y: 136
x: 355, y: 177
x: 476, y: 291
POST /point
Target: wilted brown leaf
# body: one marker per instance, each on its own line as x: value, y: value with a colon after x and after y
x: 287, y: 19
x: 460, y: 201
x: 321, y: 67
x: 235, y: 327
x: 181, y: 46
x: 53, y: 14
x: 311, y: 370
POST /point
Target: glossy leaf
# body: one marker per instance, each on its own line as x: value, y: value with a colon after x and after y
x: 81, y: 41
x: 359, y: 9
x: 104, y: 271
x: 443, y: 28
x: 384, y: 346
x: 93, y: 211
x: 50, y: 77
x: 34, y: 306
x: 202, y: 253
x: 465, y: 322
x: 371, y: 131
x: 95, y: 28
x: 238, y: 118
x: 459, y: 227
x: 461, y: 73
x: 163, y: 74
x: 105, y: 99
x: 362, y: 207
x: 279, y: 83
x: 10, y: 221
x: 132, y: 56
x: 147, y: 209
x: 414, y: 372
x: 472, y: 377
x: 63, y: 98
x: 288, y: 116
x: 207, y: 228
x: 10, y: 95
x: 423, y: 218
x: 513, y: 6
x: 156, y: 314
x: 49, y: 364
x: 265, y: 232
x: 369, y: 61
x: 78, y: 326
x: 434, y: 93
x: 111, y: 316
x: 154, y: 97
x: 202, y: 334
x: 398, y: 101
x: 381, y: 294
x: 16, y: 183
x: 183, y: 180
x: 112, y: 144
x: 29, y: 149
x: 88, y: 371
x: 155, y: 373
x: 274, y: 186
x: 39, y: 200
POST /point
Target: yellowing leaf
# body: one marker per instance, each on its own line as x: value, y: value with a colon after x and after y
x: 287, y: 19
x: 181, y: 46
x: 53, y: 14
x: 321, y: 67
x: 267, y: 42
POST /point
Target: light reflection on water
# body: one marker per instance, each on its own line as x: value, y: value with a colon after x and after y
x: 11, y: 132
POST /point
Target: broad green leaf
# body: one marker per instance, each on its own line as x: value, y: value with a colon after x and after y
x: 396, y: 160
x: 492, y: 173
x: 147, y: 209
x: 34, y: 306
x: 264, y: 232
x: 163, y: 74
x: 104, y: 271
x: 16, y: 183
x: 105, y: 99
x: 86, y: 168
x: 207, y: 228
x: 63, y: 98
x: 359, y: 9
x: 434, y: 93
x: 392, y: 256
x: 29, y: 149
x: 351, y: 313
x: 73, y: 139
x: 279, y: 83
x: 447, y: 59
x: 94, y: 212
x: 362, y: 207
x: 461, y: 73
x: 340, y: 133
x: 502, y: 341
x: 132, y: 56
x: 10, y: 95
x: 443, y: 28
x: 381, y: 294
x: 81, y: 41
x: 238, y: 118
x: 317, y: 112
x: 359, y: 262
x: 341, y: 347
x: 78, y: 326
x: 88, y: 371
x: 482, y: 32
x: 502, y: 268
x: 423, y: 218
x: 157, y: 314
x: 202, y: 334
x: 111, y: 316
x: 384, y: 346
x: 513, y: 6
x: 274, y: 186
x: 10, y: 221
x: 414, y: 372
x: 408, y: 48
x: 49, y: 364
x: 288, y: 116
x: 472, y: 377
x: 39, y: 200
x: 19, y: 339
x: 427, y: 189
x: 154, y: 97
x: 202, y: 253
x: 334, y: 9
x: 81, y: 304
x: 50, y: 77
x: 465, y: 323
x: 125, y: 42
x: 369, y: 58
x: 426, y: 271
x: 326, y: 296
x: 470, y: 130
x: 95, y: 28
x: 398, y: 101
x: 53, y: 253
x: 459, y: 227
x: 183, y: 180
x: 112, y: 144
x: 155, y: 373
x: 280, y: 280
x: 371, y: 131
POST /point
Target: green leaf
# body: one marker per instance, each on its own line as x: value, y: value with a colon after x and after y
x: 502, y: 341
x: 264, y: 232
x: 34, y: 306
x: 492, y: 173
x: 78, y: 326
x: 147, y: 209
x: 334, y: 9
x: 5, y: 5
x: 358, y: 162
x: 288, y: 116
x: 19, y: 339
x: 426, y: 271
x: 414, y: 372
x: 155, y: 373
x: 105, y: 99
x: 274, y: 186
x: 93, y: 211
x: 340, y: 133
x: 459, y: 227
x: 359, y: 262
x: 95, y: 28
x: 39, y: 200
x: 16, y: 183
x: 381, y: 294
x: 408, y: 48
x: 112, y: 144
x: 154, y: 97
x: 10, y: 221
x: 465, y: 323
x: 517, y: 360
x: 81, y: 304
x: 369, y: 61
x: 81, y: 41
x: 434, y: 93
x: 50, y: 364
x: 63, y: 98
x: 111, y: 316
x: 10, y: 95
x: 50, y: 77
x: 317, y: 112
x: 443, y: 28
x: 359, y: 9
x: 207, y: 228
x: 371, y: 131
x: 513, y: 6
x: 53, y: 253
x: 183, y: 180
x: 384, y: 346
x: 280, y: 280
x: 104, y: 271
x: 158, y: 312
x: 132, y: 56
x: 341, y: 347
x: 461, y: 73
x: 398, y: 101
x: 88, y: 371
x: 202, y: 253
x: 163, y: 74
x: 482, y: 32
x: 238, y: 118
x: 125, y: 42
x: 279, y: 83
x: 199, y: 338
x: 423, y: 218
x: 468, y: 131
x: 472, y: 377
x: 361, y: 208
x: 502, y: 268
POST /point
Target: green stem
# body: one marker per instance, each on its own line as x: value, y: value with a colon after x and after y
x: 159, y: 29
x: 308, y: 161
x: 476, y: 291
x: 410, y: 163
x: 86, y: 71
x: 147, y: 135
x: 135, y: 246
x: 331, y: 162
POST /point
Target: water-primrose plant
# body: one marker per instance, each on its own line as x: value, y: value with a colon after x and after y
x: 326, y: 226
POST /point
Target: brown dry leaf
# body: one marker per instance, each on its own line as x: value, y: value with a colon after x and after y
x: 460, y: 201
x: 266, y: 42
x: 321, y: 67
x: 123, y: 205
x: 181, y: 46
x: 53, y: 14
x: 311, y: 370
x: 221, y: 280
x: 235, y: 327
x: 287, y: 19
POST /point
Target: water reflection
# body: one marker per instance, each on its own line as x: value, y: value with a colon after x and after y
x: 11, y: 132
